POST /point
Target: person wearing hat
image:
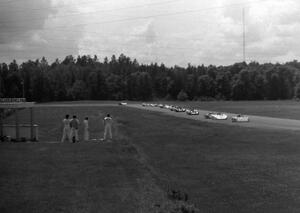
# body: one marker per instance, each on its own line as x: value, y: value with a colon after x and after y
x: 107, y: 121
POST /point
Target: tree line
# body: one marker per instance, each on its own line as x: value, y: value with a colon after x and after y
x: 88, y: 78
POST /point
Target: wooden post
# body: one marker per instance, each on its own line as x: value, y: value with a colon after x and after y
x: 31, y: 125
x: 17, y: 125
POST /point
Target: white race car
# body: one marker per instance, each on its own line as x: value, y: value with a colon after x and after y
x: 122, y: 103
x: 192, y: 112
x: 173, y: 108
x: 216, y: 116
x: 179, y: 109
x: 167, y: 106
x: 240, y: 118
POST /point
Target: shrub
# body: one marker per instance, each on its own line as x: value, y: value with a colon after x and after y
x: 182, y: 96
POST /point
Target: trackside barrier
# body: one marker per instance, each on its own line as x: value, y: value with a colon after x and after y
x: 9, y: 132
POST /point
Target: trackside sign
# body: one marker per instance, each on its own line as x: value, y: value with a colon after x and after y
x: 15, y: 103
x: 12, y: 100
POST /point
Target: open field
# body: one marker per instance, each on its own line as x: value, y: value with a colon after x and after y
x: 69, y: 178
x: 222, y: 168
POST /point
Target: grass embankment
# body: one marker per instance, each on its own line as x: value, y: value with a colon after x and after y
x: 221, y: 168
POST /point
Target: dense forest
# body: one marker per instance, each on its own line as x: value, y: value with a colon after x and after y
x: 87, y: 78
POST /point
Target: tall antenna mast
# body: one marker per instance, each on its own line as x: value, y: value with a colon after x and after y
x: 244, y: 37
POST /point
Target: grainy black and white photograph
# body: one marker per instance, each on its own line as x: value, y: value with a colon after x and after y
x: 149, y: 106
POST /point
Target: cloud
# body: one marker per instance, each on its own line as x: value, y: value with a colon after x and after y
x: 172, y: 32
x: 37, y: 39
x: 18, y: 22
x: 146, y: 32
x: 272, y: 29
x: 41, y: 28
x: 20, y: 17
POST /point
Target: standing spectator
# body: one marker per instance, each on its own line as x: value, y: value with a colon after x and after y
x: 86, y: 134
x: 74, y: 129
x: 66, y: 129
x: 107, y: 121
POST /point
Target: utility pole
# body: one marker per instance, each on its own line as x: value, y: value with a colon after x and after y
x: 244, y: 37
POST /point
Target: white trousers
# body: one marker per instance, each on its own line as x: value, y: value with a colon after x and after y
x: 86, y: 135
x: 66, y: 134
x: 107, y: 130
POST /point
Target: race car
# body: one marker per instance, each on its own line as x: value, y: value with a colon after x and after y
x: 240, y: 118
x: 208, y: 115
x: 160, y: 105
x: 192, y: 112
x: 167, y: 106
x: 216, y: 116
x: 180, y: 109
x: 122, y: 103
x: 177, y: 109
x: 173, y: 108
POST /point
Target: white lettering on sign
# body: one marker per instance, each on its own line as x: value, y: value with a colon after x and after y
x: 12, y: 100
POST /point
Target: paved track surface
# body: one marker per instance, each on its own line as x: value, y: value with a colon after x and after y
x: 255, y: 121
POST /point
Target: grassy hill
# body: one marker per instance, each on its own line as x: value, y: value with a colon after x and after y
x: 220, y: 168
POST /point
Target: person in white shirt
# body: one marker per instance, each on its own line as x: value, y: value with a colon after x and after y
x: 86, y: 134
x: 107, y: 121
x: 66, y: 129
x: 74, y: 129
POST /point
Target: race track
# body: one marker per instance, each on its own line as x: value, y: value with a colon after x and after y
x: 255, y: 121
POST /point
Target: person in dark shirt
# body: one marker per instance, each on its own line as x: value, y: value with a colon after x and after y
x: 74, y: 124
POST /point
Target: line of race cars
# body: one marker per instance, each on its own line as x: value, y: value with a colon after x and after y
x: 210, y: 115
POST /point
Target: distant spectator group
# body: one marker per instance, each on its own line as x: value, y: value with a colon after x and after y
x: 71, y: 127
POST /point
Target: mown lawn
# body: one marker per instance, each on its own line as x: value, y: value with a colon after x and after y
x: 221, y: 168
x: 68, y: 178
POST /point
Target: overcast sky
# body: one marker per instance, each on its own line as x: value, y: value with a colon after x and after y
x: 169, y: 31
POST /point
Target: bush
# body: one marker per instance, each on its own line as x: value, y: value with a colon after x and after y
x: 297, y: 91
x: 182, y: 96
x: 168, y: 97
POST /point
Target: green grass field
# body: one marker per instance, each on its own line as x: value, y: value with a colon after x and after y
x: 221, y: 168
